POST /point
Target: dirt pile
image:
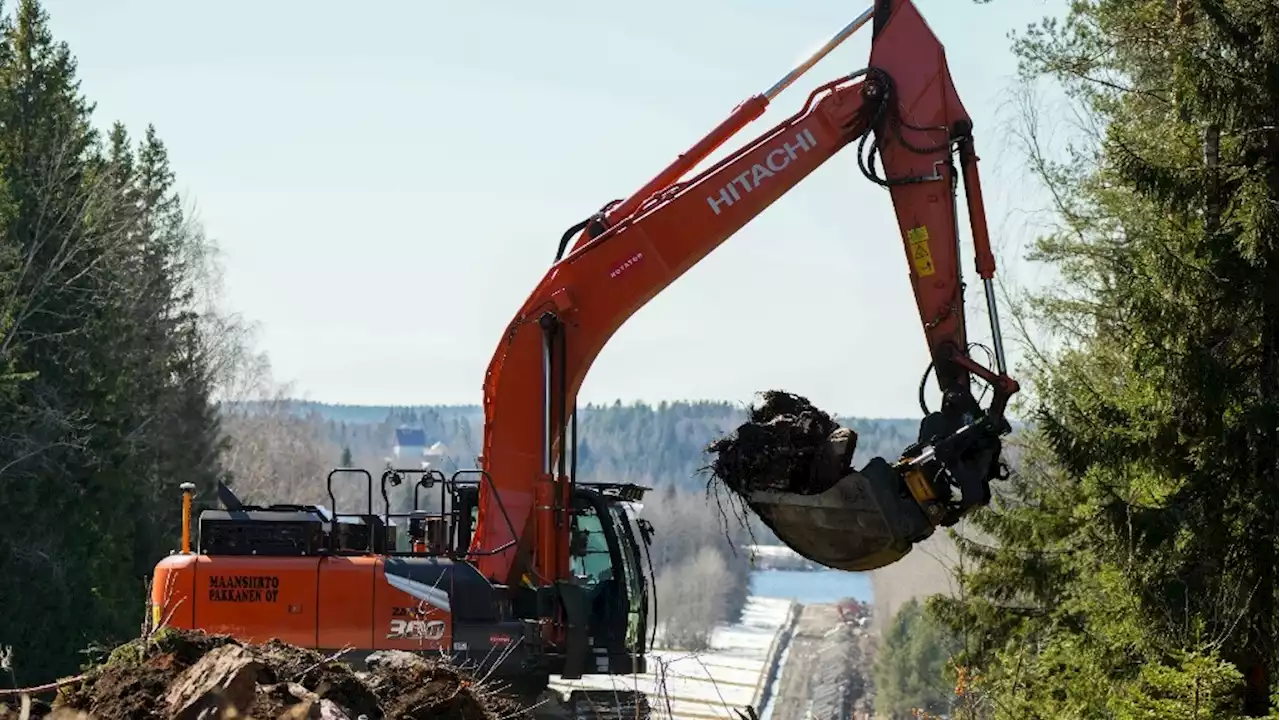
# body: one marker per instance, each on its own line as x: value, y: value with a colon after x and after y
x: 189, y: 675
x: 787, y: 445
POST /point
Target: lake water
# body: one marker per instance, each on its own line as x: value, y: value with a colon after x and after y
x: 811, y: 586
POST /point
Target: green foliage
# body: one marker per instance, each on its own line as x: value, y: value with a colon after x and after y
x: 913, y: 669
x: 1130, y: 569
x: 1194, y: 685
x: 104, y: 374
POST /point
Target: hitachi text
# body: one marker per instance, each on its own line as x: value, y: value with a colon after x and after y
x: 775, y: 161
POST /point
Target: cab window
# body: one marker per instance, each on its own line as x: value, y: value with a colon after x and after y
x: 630, y: 563
x: 592, y: 562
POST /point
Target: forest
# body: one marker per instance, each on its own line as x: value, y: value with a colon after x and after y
x: 1127, y: 569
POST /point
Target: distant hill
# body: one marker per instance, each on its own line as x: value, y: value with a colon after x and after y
x: 637, y: 442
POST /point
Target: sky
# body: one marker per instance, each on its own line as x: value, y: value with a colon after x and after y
x: 386, y: 187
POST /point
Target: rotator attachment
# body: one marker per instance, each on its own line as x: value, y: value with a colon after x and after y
x: 872, y: 517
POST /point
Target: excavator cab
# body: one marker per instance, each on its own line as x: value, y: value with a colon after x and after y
x: 605, y: 601
x: 604, y: 559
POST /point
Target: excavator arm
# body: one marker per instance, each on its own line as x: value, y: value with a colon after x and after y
x: 903, y: 115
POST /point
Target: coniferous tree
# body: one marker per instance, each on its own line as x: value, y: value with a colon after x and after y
x: 912, y: 665
x: 104, y: 373
x: 44, y: 149
x: 1130, y: 570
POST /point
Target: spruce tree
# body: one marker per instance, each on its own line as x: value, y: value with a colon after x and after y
x: 104, y: 373
x: 1130, y: 571
x: 48, y: 569
x: 912, y: 665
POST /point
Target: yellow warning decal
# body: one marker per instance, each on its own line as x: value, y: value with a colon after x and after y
x: 918, y: 242
x: 919, y: 487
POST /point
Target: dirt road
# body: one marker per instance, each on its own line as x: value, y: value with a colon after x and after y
x: 825, y: 674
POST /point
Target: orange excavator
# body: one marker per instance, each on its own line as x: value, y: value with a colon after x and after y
x: 521, y: 567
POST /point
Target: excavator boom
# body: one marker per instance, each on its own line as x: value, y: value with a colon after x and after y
x: 903, y: 108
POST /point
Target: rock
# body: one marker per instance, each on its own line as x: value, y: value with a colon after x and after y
x: 224, y: 678
x: 329, y: 710
x: 302, y: 693
x: 67, y: 714
x: 390, y: 661
x: 311, y: 707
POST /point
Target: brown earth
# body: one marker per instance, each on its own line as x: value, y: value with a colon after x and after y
x: 180, y: 674
x: 783, y: 446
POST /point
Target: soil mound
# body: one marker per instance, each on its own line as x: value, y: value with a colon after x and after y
x: 188, y: 675
x: 786, y: 445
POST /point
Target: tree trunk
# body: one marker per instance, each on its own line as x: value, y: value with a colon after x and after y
x: 1257, y: 698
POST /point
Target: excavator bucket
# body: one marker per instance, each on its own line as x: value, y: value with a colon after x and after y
x: 791, y: 464
x: 795, y: 473
x: 866, y: 520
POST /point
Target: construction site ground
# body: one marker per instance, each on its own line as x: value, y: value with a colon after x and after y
x: 825, y: 670
x: 782, y: 661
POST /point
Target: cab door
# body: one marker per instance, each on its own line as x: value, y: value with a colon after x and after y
x: 638, y: 589
x: 604, y: 562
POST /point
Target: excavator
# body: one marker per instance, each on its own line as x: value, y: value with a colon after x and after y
x: 521, y: 568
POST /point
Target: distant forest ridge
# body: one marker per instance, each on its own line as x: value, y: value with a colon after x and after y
x: 657, y: 445
x: 377, y: 413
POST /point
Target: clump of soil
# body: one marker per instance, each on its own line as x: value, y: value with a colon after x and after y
x: 414, y: 687
x: 786, y: 445
x: 188, y: 674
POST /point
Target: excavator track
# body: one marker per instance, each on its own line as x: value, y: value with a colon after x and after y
x: 593, y: 705
x: 608, y: 705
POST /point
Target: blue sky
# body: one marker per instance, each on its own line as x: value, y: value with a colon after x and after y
x: 387, y: 187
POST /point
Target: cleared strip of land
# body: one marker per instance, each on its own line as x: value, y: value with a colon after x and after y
x: 825, y: 673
